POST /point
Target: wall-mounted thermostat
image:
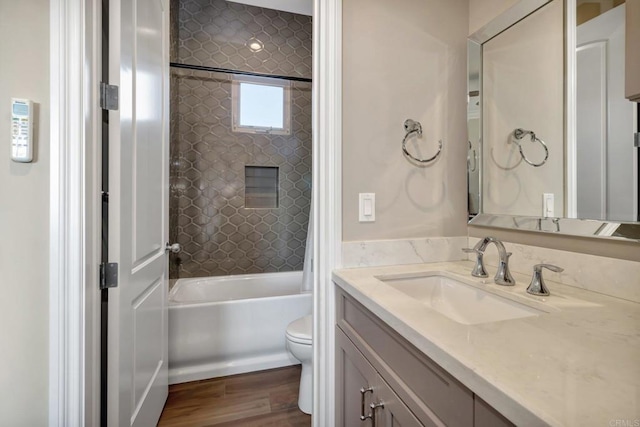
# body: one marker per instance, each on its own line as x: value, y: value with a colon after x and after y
x: 21, y: 130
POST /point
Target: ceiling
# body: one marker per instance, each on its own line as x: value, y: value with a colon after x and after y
x: 302, y: 7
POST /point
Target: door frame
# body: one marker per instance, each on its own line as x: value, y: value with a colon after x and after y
x: 571, y: 119
x: 327, y: 193
x: 75, y: 210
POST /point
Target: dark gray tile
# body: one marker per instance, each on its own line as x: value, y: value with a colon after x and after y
x: 206, y: 210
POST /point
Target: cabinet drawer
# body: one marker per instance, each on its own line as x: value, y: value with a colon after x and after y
x: 429, y: 391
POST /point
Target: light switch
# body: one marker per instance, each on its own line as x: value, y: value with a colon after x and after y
x: 367, y: 207
x: 368, y: 210
x: 547, y: 205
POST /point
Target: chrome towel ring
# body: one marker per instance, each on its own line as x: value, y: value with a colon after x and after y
x: 411, y: 127
x: 518, y: 134
x: 473, y: 156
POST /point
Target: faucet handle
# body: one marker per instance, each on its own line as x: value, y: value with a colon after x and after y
x: 478, y: 269
x: 537, y: 285
x: 554, y: 268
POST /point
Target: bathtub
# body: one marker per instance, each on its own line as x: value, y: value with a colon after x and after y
x: 232, y: 324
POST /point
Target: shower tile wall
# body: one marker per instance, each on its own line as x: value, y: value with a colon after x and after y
x: 219, y: 236
x: 174, y: 154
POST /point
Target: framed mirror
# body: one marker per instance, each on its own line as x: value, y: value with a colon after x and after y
x: 551, y: 135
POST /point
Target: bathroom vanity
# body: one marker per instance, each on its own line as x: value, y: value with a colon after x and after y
x: 397, y: 384
x: 570, y: 360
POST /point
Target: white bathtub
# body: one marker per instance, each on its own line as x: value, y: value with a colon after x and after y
x: 232, y: 324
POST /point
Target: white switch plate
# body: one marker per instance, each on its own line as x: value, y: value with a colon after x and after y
x: 367, y: 207
x: 547, y: 205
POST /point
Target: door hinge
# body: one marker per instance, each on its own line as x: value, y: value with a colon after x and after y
x: 636, y: 139
x: 108, y: 96
x: 108, y: 275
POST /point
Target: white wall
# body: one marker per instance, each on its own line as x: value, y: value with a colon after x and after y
x: 24, y: 218
x: 523, y: 87
x: 404, y: 59
x: 481, y: 12
x: 302, y: 7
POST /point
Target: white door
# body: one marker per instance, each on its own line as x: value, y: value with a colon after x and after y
x: 606, y: 159
x: 138, y: 211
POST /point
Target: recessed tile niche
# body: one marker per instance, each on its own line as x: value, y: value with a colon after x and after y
x: 260, y: 187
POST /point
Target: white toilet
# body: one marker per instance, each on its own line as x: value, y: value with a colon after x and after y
x: 299, y: 344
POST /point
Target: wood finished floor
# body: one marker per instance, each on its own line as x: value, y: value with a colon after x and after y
x: 265, y: 398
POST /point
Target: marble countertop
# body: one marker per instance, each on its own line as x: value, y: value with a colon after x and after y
x: 578, y: 363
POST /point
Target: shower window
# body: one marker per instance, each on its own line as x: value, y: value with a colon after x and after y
x: 261, y: 105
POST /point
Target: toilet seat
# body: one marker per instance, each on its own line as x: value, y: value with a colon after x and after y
x: 299, y: 331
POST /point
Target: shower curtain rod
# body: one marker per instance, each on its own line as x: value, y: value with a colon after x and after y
x: 243, y: 73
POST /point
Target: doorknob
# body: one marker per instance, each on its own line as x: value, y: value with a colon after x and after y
x: 175, y: 248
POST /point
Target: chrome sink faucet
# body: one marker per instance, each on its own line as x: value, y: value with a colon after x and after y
x: 503, y: 275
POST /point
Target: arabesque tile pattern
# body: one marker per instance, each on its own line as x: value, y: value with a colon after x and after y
x: 218, y: 235
x: 215, y: 33
x: 173, y: 132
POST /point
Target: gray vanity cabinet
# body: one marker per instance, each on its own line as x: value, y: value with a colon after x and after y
x: 355, y: 385
x: 414, y: 390
x: 360, y: 386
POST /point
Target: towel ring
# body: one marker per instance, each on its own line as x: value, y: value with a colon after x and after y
x: 518, y: 134
x: 410, y: 127
x: 469, y: 157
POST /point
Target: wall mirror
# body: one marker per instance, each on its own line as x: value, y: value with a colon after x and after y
x: 551, y: 135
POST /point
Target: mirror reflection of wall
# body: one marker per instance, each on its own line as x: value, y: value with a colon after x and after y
x: 607, y: 162
x: 522, y: 87
x: 589, y: 9
x: 473, y: 126
x: 561, y: 69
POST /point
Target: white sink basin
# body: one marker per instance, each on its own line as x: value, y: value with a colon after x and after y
x: 457, y: 300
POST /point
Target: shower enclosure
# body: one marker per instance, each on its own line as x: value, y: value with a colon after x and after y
x: 240, y: 185
x: 240, y: 195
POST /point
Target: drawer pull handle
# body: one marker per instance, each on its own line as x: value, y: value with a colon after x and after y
x: 373, y: 407
x: 364, y: 391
